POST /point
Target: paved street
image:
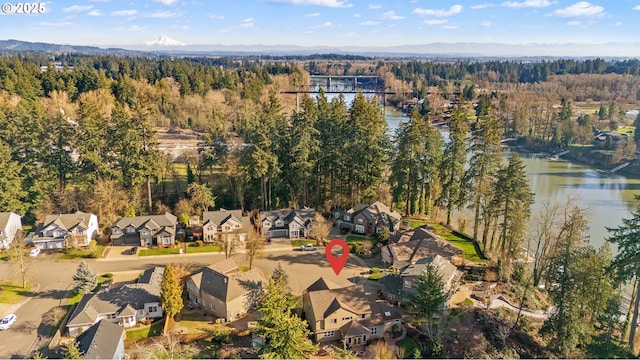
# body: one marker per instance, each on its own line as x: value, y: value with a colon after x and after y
x: 54, y: 277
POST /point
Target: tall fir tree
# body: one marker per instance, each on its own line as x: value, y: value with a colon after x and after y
x: 84, y: 279
x: 170, y: 293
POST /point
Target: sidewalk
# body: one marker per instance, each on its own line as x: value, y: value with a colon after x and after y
x: 6, y: 309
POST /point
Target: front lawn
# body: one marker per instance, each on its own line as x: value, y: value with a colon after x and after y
x: 154, y: 329
x: 467, y: 246
x: 156, y: 251
x: 203, y: 248
x: 416, y: 223
x: 93, y: 251
x: 11, y: 292
x: 409, y: 346
x: 357, y: 240
x: 297, y: 243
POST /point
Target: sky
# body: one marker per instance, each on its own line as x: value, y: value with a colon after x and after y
x: 324, y: 22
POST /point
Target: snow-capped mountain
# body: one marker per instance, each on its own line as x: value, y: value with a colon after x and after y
x: 164, y: 41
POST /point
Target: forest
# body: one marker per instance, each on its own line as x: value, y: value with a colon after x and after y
x: 84, y: 137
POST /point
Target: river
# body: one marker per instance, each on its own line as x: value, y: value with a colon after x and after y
x: 608, y: 197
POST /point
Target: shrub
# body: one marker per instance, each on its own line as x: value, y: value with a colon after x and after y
x: 200, y: 243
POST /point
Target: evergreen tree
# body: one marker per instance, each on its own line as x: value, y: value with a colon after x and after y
x: 84, y: 280
x: 483, y: 165
x: 453, y: 163
x: 71, y: 351
x: 626, y: 238
x: 200, y: 197
x: 511, y: 202
x: 636, y: 131
x: 11, y: 188
x: 429, y: 297
x: 286, y: 335
x: 170, y: 293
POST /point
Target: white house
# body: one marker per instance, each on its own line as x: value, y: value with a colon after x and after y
x: 10, y: 223
x: 65, y: 230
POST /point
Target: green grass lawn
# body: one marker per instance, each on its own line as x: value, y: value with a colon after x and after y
x: 91, y: 252
x: 155, y: 251
x: 197, y: 324
x: 409, y: 346
x: 468, y: 247
x: 297, y: 243
x: 354, y: 239
x: 202, y: 249
x: 416, y: 223
x: 12, y: 292
x: 154, y: 329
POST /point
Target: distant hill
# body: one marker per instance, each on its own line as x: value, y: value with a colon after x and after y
x: 19, y: 45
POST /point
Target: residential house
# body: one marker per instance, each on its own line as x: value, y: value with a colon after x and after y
x: 10, y: 224
x: 224, y: 291
x: 398, y: 288
x: 102, y: 340
x: 231, y: 223
x: 408, y: 247
x: 150, y: 230
x: 290, y: 224
x: 65, y: 230
x: 347, y: 314
x: 125, y: 306
x: 367, y: 219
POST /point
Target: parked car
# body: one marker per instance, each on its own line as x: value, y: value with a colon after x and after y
x: 34, y: 252
x: 7, y: 321
x: 308, y: 247
x: 134, y: 250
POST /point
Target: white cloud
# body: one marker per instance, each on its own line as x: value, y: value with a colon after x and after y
x: 455, y: 9
x: 370, y: 23
x: 574, y: 23
x: 528, y: 3
x: 124, y: 12
x: 94, y: 13
x: 247, y: 23
x: 580, y: 9
x: 450, y: 27
x: 166, y: 2
x: 481, y: 6
x: 486, y: 23
x: 375, y: 6
x: 436, y: 22
x: 637, y: 8
x: 326, y: 25
x: 162, y: 14
x: 390, y: 15
x: 215, y: 17
x: 617, y: 23
x: 311, y: 15
x: 54, y: 23
x: 327, y: 3
x: 356, y: 15
x: 78, y: 8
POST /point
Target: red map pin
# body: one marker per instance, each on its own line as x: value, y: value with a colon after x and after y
x: 337, y: 263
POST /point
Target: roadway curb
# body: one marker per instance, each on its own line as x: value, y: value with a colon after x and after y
x: 12, y: 309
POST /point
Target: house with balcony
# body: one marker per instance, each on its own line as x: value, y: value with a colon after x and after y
x: 125, y: 306
x: 10, y: 224
x: 65, y: 231
x: 367, y: 219
x: 224, y: 223
x: 291, y: 224
x: 222, y: 290
x: 398, y: 288
x: 149, y: 230
x: 346, y: 314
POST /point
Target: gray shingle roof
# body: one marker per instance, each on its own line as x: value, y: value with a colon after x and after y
x: 154, y: 222
x: 222, y: 216
x: 306, y: 215
x: 223, y: 282
x: 65, y: 221
x: 146, y: 290
x: 100, y: 341
x: 410, y: 246
x: 326, y: 302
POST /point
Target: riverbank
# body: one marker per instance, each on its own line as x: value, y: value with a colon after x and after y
x: 598, y: 158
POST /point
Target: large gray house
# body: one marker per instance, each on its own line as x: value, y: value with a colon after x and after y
x: 290, y: 224
x: 150, y: 230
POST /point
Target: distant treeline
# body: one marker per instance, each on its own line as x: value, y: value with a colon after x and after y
x: 509, y: 71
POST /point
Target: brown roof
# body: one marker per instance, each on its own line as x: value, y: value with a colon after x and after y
x: 217, y: 280
x: 322, y: 284
x: 67, y: 221
x: 410, y: 246
x: 223, y: 215
x: 351, y: 298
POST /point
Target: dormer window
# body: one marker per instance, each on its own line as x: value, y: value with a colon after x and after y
x: 116, y: 231
x: 347, y: 218
x: 360, y: 221
x: 131, y: 230
x: 145, y: 232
